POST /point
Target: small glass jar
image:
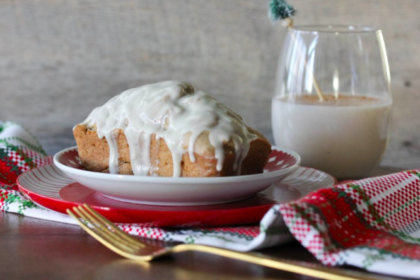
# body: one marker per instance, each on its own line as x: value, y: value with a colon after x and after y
x: 332, y: 103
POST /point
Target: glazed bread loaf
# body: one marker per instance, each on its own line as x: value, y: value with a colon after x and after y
x: 167, y: 129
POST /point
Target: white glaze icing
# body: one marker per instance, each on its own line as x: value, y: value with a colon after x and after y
x: 174, y: 112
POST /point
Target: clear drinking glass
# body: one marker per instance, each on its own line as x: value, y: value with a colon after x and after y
x: 332, y: 103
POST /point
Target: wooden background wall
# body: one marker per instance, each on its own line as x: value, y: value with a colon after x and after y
x: 61, y: 58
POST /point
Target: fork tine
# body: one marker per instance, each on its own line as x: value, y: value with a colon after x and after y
x: 98, y: 235
x: 103, y: 229
x: 110, y: 224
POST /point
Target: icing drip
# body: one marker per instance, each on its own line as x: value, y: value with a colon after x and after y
x: 170, y: 110
x: 113, y: 152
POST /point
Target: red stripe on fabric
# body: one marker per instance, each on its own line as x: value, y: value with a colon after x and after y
x: 7, y: 175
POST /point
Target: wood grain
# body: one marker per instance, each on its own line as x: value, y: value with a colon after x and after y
x: 59, y: 59
x: 41, y: 250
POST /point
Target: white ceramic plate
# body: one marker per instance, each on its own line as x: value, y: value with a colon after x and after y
x: 178, y: 191
x: 49, y: 187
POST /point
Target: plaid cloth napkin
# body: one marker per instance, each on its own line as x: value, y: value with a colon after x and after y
x: 372, y: 223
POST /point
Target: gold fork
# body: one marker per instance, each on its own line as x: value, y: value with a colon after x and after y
x: 123, y: 244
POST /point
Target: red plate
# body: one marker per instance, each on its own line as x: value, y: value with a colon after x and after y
x: 49, y: 187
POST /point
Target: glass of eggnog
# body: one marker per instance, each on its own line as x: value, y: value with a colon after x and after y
x: 332, y: 102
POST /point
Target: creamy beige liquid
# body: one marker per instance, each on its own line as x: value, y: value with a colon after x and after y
x: 345, y: 137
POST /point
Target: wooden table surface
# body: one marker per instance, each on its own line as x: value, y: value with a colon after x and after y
x: 37, y: 249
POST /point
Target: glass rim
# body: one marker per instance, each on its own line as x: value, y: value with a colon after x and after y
x: 334, y: 28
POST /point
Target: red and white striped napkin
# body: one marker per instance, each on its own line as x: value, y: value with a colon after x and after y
x: 372, y: 223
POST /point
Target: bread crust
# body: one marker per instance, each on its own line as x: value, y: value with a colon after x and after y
x: 94, y: 155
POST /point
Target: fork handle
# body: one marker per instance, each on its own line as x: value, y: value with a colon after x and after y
x: 303, y: 268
